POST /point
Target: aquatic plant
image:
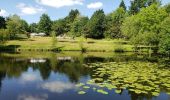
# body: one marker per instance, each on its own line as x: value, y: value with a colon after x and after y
x: 138, y: 77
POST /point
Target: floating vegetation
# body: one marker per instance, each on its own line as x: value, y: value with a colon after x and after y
x: 81, y: 92
x: 80, y: 84
x: 138, y: 77
x: 86, y: 87
x: 102, y: 91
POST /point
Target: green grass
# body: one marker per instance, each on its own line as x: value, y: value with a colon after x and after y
x: 45, y: 44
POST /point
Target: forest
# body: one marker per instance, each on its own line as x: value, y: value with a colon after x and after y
x: 143, y: 23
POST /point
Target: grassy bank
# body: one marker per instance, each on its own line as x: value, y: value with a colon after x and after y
x: 45, y: 44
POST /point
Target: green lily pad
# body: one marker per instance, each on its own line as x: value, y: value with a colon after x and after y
x: 81, y: 92
x: 102, y: 91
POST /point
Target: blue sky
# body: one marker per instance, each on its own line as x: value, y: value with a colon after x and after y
x: 31, y: 10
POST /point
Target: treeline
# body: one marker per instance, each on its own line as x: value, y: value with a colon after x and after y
x: 145, y: 22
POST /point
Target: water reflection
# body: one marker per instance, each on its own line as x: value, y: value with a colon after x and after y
x: 45, y: 76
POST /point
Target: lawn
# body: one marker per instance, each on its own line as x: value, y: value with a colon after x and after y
x: 45, y: 44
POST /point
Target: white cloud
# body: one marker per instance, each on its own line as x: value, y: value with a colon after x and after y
x: 35, y: 97
x: 60, y: 3
x: 29, y: 77
x: 3, y: 12
x: 57, y: 87
x: 95, y: 5
x: 29, y: 10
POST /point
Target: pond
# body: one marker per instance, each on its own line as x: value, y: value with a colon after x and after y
x: 88, y: 76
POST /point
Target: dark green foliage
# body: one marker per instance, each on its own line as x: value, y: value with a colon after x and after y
x: 144, y: 28
x: 59, y: 26
x: 45, y: 24
x: 167, y: 7
x: 73, y: 14
x: 4, y: 36
x: 24, y: 26
x: 165, y: 36
x: 114, y: 22
x: 96, y: 25
x: 2, y: 22
x: 78, y: 26
x: 33, y: 28
x: 136, y: 5
x: 122, y: 5
x: 15, y: 26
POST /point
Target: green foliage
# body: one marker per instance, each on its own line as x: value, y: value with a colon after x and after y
x: 59, y: 26
x: 73, y: 14
x: 4, y: 36
x: 33, y: 28
x: 45, y: 24
x: 78, y: 26
x: 144, y: 28
x: 81, y: 45
x: 167, y: 7
x: 16, y: 26
x: 165, y: 36
x: 96, y: 25
x: 137, y: 5
x: 122, y: 5
x: 2, y: 22
x: 114, y: 22
x: 24, y: 26
x: 142, y: 78
x: 54, y: 40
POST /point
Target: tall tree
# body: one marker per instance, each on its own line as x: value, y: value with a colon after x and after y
x: 2, y: 22
x: 165, y: 36
x: 14, y: 26
x: 167, y: 7
x: 33, y: 28
x: 59, y: 26
x: 122, y: 4
x: 24, y: 26
x: 144, y: 28
x: 45, y: 24
x: 78, y: 26
x: 114, y: 22
x: 96, y: 25
x: 136, y: 5
x: 73, y: 14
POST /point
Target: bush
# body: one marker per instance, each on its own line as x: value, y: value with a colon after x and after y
x: 4, y: 36
x: 119, y: 49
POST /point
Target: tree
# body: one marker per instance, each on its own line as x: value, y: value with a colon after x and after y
x: 4, y: 36
x: 45, y: 24
x: 73, y: 14
x: 33, y: 28
x: 114, y: 22
x: 122, y: 5
x: 137, y: 5
x: 14, y: 26
x: 144, y: 28
x: 167, y: 7
x: 165, y: 36
x: 59, y: 26
x: 78, y: 26
x: 2, y: 22
x: 24, y: 26
x: 96, y: 25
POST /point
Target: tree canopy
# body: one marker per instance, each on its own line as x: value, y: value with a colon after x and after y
x: 45, y: 24
x: 96, y: 25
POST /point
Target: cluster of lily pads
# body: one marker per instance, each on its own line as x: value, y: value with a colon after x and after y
x: 138, y: 77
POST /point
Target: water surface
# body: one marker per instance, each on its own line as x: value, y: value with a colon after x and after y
x: 53, y: 76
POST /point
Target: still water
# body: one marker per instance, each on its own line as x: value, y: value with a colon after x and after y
x: 53, y: 76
